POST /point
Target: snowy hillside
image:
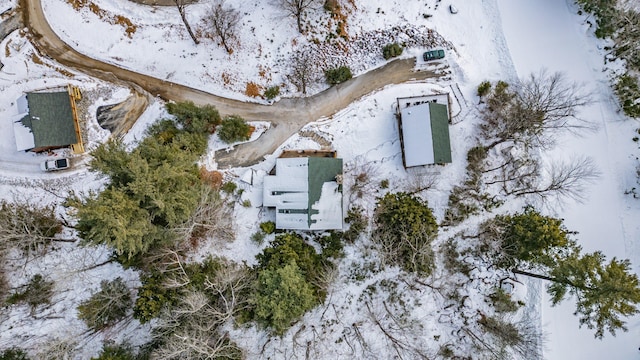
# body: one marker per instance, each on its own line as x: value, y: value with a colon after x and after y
x: 371, y: 310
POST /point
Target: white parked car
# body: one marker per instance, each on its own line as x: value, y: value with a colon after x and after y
x: 56, y: 164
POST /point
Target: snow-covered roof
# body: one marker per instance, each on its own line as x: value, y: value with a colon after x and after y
x: 305, y: 193
x: 425, y: 133
x: 22, y: 104
x: 23, y: 135
x: 329, y: 208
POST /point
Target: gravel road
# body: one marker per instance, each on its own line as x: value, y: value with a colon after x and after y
x: 287, y: 115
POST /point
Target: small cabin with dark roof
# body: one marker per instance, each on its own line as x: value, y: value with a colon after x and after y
x: 46, y: 121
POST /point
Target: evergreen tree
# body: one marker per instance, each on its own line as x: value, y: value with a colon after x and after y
x: 112, y: 159
x: 233, y: 129
x: 283, y: 296
x: 528, y: 237
x: 115, y: 220
x: 36, y: 292
x: 405, y: 227
x: 193, y: 118
x: 604, y: 292
x: 152, y: 188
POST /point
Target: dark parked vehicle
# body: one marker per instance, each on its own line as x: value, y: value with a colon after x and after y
x: 433, y: 55
x: 53, y: 165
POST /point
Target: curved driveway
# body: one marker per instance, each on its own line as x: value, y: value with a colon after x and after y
x: 287, y: 116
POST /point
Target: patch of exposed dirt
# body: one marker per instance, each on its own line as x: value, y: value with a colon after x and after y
x: 119, y: 118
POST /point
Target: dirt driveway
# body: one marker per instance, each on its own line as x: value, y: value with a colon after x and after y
x: 287, y: 116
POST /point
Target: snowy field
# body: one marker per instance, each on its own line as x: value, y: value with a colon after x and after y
x: 492, y: 40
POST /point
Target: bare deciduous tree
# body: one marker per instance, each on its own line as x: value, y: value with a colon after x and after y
x: 224, y: 20
x: 181, y: 5
x: 297, y: 8
x: 303, y: 70
x: 566, y: 179
x: 519, y: 170
x: 27, y: 226
x: 360, y: 175
x: 189, y: 332
x: 211, y: 217
x: 526, y: 113
x: 58, y: 348
x: 397, y: 331
x: 192, y: 329
x: 420, y: 182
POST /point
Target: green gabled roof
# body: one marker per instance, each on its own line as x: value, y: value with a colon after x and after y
x: 321, y: 170
x: 440, y: 132
x: 50, y: 119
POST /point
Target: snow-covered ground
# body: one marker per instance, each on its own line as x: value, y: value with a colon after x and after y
x: 547, y: 33
x: 492, y: 39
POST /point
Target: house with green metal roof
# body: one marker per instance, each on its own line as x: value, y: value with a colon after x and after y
x: 45, y: 120
x: 424, y: 130
x: 306, y: 193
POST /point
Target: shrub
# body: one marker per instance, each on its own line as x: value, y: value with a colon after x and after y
x: 193, y: 118
x: 391, y: 50
x: 107, y: 306
x: 258, y: 237
x: 229, y: 187
x: 628, y: 91
x: 502, y: 302
x: 153, y: 296
x: 384, y: 184
x: 484, y: 88
x: 331, y: 245
x: 14, y: 354
x: 331, y: 5
x: 116, y: 352
x: 233, y: 129
x: 272, y: 92
x: 338, y: 75
x: 37, y: 292
x: 268, y: 227
x: 357, y: 224
x: 246, y: 203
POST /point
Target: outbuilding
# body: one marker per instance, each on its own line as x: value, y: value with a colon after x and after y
x: 424, y: 130
x: 47, y: 121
